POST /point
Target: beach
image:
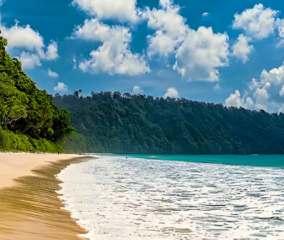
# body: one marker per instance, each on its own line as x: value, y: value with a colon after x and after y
x: 29, y: 205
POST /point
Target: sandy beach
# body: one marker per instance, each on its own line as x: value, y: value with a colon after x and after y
x: 29, y: 205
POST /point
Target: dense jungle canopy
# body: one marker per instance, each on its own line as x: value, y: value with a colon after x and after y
x: 125, y: 123
x: 28, y: 117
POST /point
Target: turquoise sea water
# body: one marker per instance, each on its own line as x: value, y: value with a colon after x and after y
x: 239, y: 160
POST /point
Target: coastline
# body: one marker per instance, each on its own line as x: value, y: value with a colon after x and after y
x: 30, y: 207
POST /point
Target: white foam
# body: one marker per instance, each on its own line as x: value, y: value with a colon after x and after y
x: 118, y: 198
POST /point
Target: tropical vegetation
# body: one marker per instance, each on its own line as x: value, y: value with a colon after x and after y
x: 28, y: 117
x: 124, y: 123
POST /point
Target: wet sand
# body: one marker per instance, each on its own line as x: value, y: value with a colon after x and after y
x: 29, y: 205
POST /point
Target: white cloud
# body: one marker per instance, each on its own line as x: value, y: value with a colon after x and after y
x: 30, y: 43
x: 170, y: 28
x: 261, y: 99
x: 114, y: 55
x: 258, y: 101
x: 52, y: 49
x: 22, y: 37
x: 137, y: 90
x: 241, y: 48
x: 261, y: 93
x: 61, y: 87
x: 198, y: 53
x: 201, y: 54
x: 264, y: 92
x: 281, y: 92
x: 172, y: 93
x: 217, y: 86
x: 205, y: 14
x: 165, y: 3
x: 29, y: 61
x: 274, y: 76
x: 257, y: 22
x: 92, y: 30
x: 122, y: 10
x: 279, y: 24
x: 236, y: 100
x: 52, y: 74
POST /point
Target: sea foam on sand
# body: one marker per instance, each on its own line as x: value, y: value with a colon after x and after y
x: 118, y: 198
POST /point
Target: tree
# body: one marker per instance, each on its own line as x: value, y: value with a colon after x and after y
x: 23, y: 107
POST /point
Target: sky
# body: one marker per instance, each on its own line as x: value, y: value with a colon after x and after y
x: 220, y: 51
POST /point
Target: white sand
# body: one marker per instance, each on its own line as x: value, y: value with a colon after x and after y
x: 14, y: 165
x: 29, y: 207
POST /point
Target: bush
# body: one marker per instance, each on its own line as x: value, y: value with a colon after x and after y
x: 10, y: 141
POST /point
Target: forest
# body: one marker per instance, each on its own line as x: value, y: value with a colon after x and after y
x: 109, y: 122
x: 28, y: 117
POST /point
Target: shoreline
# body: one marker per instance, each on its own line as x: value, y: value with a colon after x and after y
x: 30, y: 207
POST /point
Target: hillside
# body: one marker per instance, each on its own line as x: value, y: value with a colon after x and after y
x: 116, y: 123
x: 28, y: 117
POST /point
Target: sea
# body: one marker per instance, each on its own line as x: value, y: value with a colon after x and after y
x: 177, y: 197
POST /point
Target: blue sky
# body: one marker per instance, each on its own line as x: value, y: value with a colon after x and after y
x: 218, y: 51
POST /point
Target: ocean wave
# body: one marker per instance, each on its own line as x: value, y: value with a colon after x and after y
x: 119, y: 198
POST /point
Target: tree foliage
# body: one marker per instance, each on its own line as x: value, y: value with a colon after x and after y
x: 24, y: 108
x: 125, y: 123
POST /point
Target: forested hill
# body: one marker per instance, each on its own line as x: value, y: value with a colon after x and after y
x: 116, y: 123
x: 28, y: 117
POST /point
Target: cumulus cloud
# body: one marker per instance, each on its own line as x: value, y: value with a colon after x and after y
x: 172, y: 93
x: 92, y: 30
x: 198, y: 54
x: 61, y: 87
x: 170, y: 28
x: 114, y: 55
x: 241, y: 48
x: 122, y: 10
x: 51, y: 52
x: 29, y: 61
x: 264, y: 92
x: 52, y: 74
x: 258, y: 100
x: 279, y: 24
x: 23, y: 37
x: 165, y: 3
x: 275, y: 77
x: 137, y: 90
x: 236, y: 100
x: 30, y: 43
x: 257, y: 22
x: 261, y: 99
x: 201, y: 53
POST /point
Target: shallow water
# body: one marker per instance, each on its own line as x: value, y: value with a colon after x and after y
x: 118, y: 198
